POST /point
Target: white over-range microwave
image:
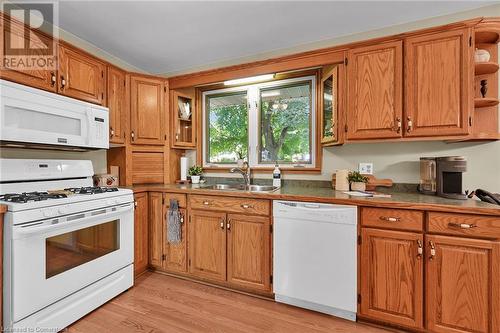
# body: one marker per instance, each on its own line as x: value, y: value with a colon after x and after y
x: 33, y: 116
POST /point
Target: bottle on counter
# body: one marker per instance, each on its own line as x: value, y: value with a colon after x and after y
x: 276, y: 176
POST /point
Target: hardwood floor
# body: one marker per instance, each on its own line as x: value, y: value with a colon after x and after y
x: 160, y: 303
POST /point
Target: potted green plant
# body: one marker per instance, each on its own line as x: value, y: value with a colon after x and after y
x: 195, y: 172
x: 357, y: 181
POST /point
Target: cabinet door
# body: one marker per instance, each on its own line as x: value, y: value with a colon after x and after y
x: 13, y: 33
x: 207, y: 245
x: 391, y: 273
x: 176, y: 253
x: 248, y: 251
x: 146, y: 111
x: 375, y: 91
x: 81, y: 76
x: 117, y: 104
x: 463, y: 285
x: 140, y: 233
x: 438, y: 72
x: 184, y: 121
x: 156, y: 229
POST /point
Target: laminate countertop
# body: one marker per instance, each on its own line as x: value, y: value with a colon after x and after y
x: 414, y: 201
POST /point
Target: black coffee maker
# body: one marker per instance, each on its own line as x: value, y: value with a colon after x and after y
x: 449, y: 171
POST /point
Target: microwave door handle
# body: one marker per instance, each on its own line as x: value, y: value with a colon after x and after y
x: 43, y: 226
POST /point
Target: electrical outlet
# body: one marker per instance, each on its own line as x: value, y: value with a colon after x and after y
x: 366, y: 168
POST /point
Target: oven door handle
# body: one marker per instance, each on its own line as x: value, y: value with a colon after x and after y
x: 48, y: 225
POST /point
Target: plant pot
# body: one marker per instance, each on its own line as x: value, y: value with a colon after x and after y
x: 358, y: 186
x: 195, y: 179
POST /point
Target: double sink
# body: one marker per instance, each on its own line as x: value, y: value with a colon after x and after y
x: 240, y: 187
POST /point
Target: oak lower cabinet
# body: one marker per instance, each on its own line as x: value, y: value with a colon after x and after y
x: 207, y: 244
x: 81, y: 76
x: 141, y: 232
x: 462, y: 285
x: 391, y: 276
x: 156, y: 234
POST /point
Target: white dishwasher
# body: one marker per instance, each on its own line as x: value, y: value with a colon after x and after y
x: 315, y: 260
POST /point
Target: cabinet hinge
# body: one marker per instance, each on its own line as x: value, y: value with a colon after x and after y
x: 470, y: 41
x: 165, y: 89
x: 470, y: 120
x: 102, y: 73
x: 359, y: 298
x: 102, y: 95
x: 346, y: 61
x: 271, y: 279
x: 165, y: 137
x: 345, y: 128
x: 360, y: 240
x: 189, y: 262
x: 163, y: 200
x: 271, y: 228
x: 163, y: 257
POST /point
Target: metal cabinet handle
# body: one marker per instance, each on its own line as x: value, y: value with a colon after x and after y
x: 181, y: 218
x: 420, y: 249
x: 461, y: 225
x: 63, y: 82
x: 111, y: 132
x: 222, y: 224
x: 398, y: 125
x: 53, y: 79
x: 228, y: 225
x: 390, y: 219
x: 132, y: 135
x: 246, y: 206
x: 135, y: 204
x: 433, y: 250
x: 409, y: 126
x: 206, y: 203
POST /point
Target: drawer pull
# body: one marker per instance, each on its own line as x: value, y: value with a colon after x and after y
x: 228, y: 225
x: 433, y: 250
x: 222, y: 224
x: 390, y: 219
x: 461, y: 225
x: 206, y: 203
x: 420, y: 249
x: 246, y: 206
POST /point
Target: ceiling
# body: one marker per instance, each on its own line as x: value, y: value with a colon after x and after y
x: 167, y: 37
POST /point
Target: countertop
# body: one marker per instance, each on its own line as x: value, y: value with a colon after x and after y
x: 327, y: 195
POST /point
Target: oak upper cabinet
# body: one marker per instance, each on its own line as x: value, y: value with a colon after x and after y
x: 374, y: 97
x: 183, y: 119
x: 141, y: 233
x: 248, y: 251
x: 13, y: 34
x: 391, y: 273
x: 117, y: 104
x: 438, y: 89
x: 463, y: 285
x: 81, y: 76
x: 156, y: 229
x: 147, y: 118
x: 207, y: 244
x: 330, y: 103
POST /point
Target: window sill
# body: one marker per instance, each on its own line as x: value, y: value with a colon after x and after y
x: 266, y: 170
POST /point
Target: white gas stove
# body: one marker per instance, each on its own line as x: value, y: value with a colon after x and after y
x: 69, y: 246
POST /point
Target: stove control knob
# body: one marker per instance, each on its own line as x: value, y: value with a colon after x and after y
x: 62, y: 210
x: 48, y: 212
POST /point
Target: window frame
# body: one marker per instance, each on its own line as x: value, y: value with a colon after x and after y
x: 254, y: 118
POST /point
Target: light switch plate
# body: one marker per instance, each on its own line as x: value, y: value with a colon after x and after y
x: 366, y: 168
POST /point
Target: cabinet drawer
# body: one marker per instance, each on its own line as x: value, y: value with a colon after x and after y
x: 463, y: 224
x: 230, y: 205
x: 400, y: 219
x: 181, y: 198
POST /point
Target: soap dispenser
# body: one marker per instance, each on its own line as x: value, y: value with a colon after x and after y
x: 276, y: 176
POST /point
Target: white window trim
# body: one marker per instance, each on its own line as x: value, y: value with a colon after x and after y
x: 253, y: 122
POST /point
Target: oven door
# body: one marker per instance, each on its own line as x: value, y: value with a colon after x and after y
x: 53, y: 258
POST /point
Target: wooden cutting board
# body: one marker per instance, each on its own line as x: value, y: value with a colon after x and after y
x: 373, y: 182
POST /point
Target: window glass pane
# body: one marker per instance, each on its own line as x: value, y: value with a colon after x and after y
x: 227, y: 127
x: 72, y: 249
x: 285, y: 122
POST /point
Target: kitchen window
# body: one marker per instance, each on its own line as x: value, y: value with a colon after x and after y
x: 261, y: 123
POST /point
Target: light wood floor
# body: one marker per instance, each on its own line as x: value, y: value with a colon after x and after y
x: 160, y: 303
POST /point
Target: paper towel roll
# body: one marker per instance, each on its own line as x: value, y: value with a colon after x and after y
x: 184, y: 167
x: 341, y: 182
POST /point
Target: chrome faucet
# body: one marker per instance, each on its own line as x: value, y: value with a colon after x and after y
x: 245, y: 172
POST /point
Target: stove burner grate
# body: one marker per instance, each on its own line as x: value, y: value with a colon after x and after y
x: 30, y: 196
x: 91, y: 190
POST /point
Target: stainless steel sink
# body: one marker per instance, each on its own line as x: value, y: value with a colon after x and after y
x: 239, y: 187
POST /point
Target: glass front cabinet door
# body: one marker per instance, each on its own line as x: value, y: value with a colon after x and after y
x: 183, y: 121
x: 329, y: 105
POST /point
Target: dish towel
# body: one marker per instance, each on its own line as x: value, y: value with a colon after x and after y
x: 174, y: 220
